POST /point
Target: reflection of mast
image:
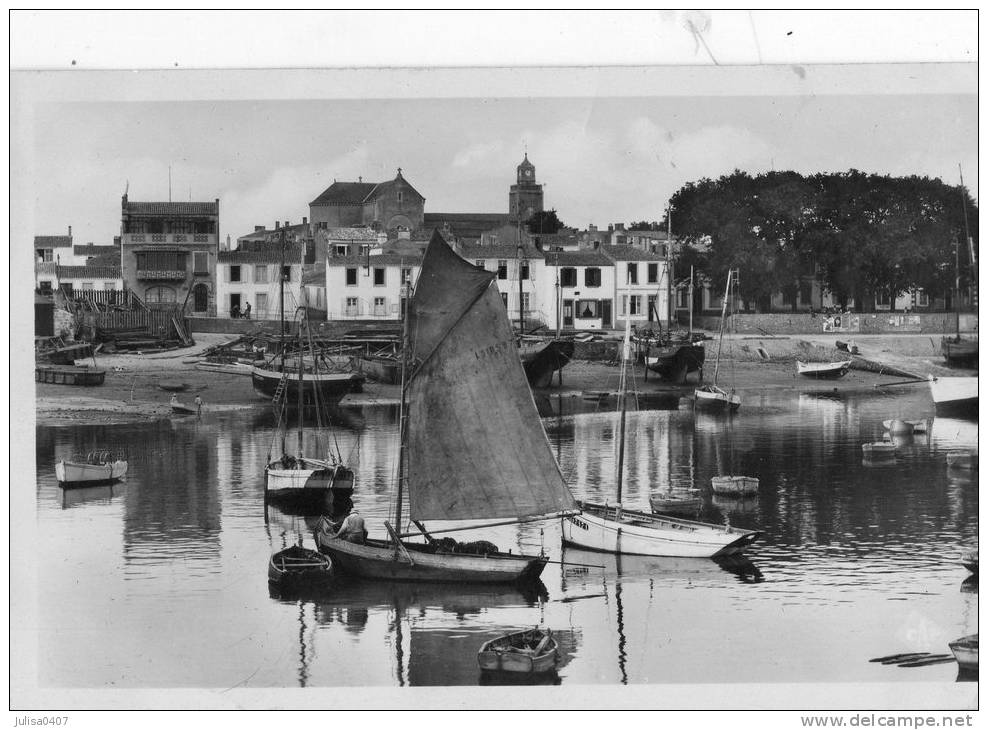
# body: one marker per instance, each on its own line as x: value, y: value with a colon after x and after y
x: 303, y: 667
x: 399, y: 647
x: 622, y: 639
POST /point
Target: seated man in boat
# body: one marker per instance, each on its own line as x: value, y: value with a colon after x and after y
x: 174, y: 400
x: 351, y: 529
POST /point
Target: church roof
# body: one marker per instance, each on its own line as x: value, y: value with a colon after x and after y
x: 525, y: 163
x: 340, y: 193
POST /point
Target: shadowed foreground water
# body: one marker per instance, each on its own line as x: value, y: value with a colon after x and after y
x: 161, y: 581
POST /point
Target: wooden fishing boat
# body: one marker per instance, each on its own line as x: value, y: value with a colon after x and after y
x: 962, y: 460
x: 955, y: 397
x: 182, y: 410
x: 317, y: 388
x: 965, y: 650
x: 970, y: 561
x: 297, y: 567
x: 959, y: 352
x: 675, y: 357
x: 712, y: 397
x: 823, y: 370
x: 98, y: 467
x: 544, y: 358
x: 69, y: 375
x: 614, y: 529
x: 524, y: 652
x: 471, y: 443
x: 735, y: 486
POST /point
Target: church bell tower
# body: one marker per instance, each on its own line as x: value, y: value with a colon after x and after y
x: 525, y: 196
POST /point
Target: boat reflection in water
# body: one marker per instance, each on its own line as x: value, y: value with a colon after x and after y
x: 85, y: 495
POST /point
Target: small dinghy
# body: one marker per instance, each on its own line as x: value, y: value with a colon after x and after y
x: 297, y: 567
x: 676, y: 502
x: 827, y: 370
x: 735, y: 486
x: 98, y: 467
x: 965, y: 652
x: 524, y: 652
x: 970, y: 561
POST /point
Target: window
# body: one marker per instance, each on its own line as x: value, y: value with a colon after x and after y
x: 378, y: 277
x: 159, y: 294
x: 200, y: 262
x: 651, y: 307
x: 480, y: 263
x: 341, y: 249
x: 46, y: 255
x: 365, y: 249
x: 504, y: 298
x: 922, y: 298
x: 286, y: 273
x: 502, y: 269
x: 380, y: 307
x: 87, y: 286
x: 351, y: 277
x: 805, y: 292
x: 406, y: 276
x: 161, y: 261
x: 200, y: 298
x: 567, y: 312
x: 591, y: 276
x: 45, y: 287
x: 261, y: 300
x: 683, y: 298
x: 107, y: 286
x: 588, y: 309
x: 234, y: 273
x: 567, y: 276
x: 525, y: 301
x: 524, y: 270
x: 635, y: 304
x: 632, y: 273
x: 653, y: 273
x: 260, y: 274
x: 883, y: 300
x: 352, y: 307
x: 400, y: 196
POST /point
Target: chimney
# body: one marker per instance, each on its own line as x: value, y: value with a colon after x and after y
x: 257, y: 229
x: 305, y: 221
x: 277, y: 225
x: 596, y: 245
x: 70, y: 231
x: 610, y: 229
x: 360, y: 178
x: 287, y: 224
x: 592, y: 228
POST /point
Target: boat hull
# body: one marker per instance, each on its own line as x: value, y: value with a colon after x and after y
x: 823, y: 371
x: 735, y: 486
x: 965, y: 651
x: 675, y: 362
x: 502, y: 655
x: 296, y: 567
x: 959, y: 352
x: 675, y: 505
x: 331, y: 387
x: 639, y: 533
x: 379, y: 369
x: 545, y: 361
x: 955, y: 397
x: 70, y: 473
x: 310, y: 486
x: 69, y: 375
x: 716, y: 400
x: 378, y: 559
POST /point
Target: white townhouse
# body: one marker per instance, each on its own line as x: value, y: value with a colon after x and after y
x: 520, y: 277
x: 586, y: 289
x: 641, y: 286
x: 250, y: 274
x: 368, y: 286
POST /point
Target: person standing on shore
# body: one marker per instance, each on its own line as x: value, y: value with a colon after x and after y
x: 198, y: 405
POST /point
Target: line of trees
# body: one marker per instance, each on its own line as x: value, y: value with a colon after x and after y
x: 859, y: 234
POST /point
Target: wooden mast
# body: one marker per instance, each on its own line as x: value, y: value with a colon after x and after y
x: 723, y: 317
x: 623, y: 396
x: 402, y: 416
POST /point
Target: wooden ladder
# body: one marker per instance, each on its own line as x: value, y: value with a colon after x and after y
x: 280, y: 390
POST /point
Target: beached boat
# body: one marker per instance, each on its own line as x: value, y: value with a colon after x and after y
x: 298, y: 567
x: 712, y: 397
x: 525, y: 652
x: 543, y: 358
x: 471, y: 443
x: 674, y: 356
x: 955, y: 397
x: 317, y: 388
x: 69, y: 375
x: 735, y: 486
x: 823, y: 370
x: 965, y: 651
x: 613, y: 529
x: 98, y: 467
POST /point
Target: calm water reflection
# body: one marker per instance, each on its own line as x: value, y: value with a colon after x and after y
x: 161, y: 581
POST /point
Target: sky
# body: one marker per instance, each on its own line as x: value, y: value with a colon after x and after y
x: 602, y: 159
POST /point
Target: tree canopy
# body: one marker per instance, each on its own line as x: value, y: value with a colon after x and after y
x: 545, y: 221
x: 859, y: 233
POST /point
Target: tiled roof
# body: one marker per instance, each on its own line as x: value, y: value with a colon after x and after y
x: 466, y: 225
x: 106, y: 259
x: 350, y: 234
x: 408, y: 258
x: 262, y: 252
x: 273, y: 233
x: 314, y: 275
x: 581, y: 258
x: 52, y: 241
x: 353, y: 193
x: 629, y: 253
x: 382, y: 188
x: 88, y: 272
x: 90, y: 250
x: 472, y: 252
x: 170, y: 208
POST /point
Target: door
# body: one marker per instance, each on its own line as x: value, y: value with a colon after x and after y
x: 605, y: 313
x: 567, y: 312
x: 235, y: 304
x: 200, y: 298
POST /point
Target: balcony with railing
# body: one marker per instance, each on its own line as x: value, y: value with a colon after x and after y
x: 168, y: 238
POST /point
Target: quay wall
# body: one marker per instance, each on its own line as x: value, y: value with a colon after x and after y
x: 864, y: 323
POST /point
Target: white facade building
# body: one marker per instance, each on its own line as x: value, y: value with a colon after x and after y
x: 250, y: 274
x: 369, y: 286
x: 641, y: 286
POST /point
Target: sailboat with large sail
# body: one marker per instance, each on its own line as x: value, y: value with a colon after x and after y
x: 957, y: 350
x: 712, y: 397
x: 613, y: 529
x: 472, y: 446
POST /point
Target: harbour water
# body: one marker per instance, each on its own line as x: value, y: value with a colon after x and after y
x: 160, y: 581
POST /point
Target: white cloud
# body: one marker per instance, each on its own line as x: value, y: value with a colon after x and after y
x: 481, y: 154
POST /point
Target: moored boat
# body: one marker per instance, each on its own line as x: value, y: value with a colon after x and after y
x: 823, y: 370
x: 98, y: 467
x: 970, y: 561
x: 676, y: 502
x: 675, y: 357
x: 525, y: 652
x: 712, y: 397
x: 472, y: 446
x: 379, y: 368
x: 297, y: 567
x: 317, y: 388
x: 542, y: 359
x: 69, y: 375
x: 965, y: 650
x: 736, y: 486
x: 916, y: 425
x: 955, y: 396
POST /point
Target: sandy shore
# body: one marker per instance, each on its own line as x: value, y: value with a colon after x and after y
x: 132, y: 389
